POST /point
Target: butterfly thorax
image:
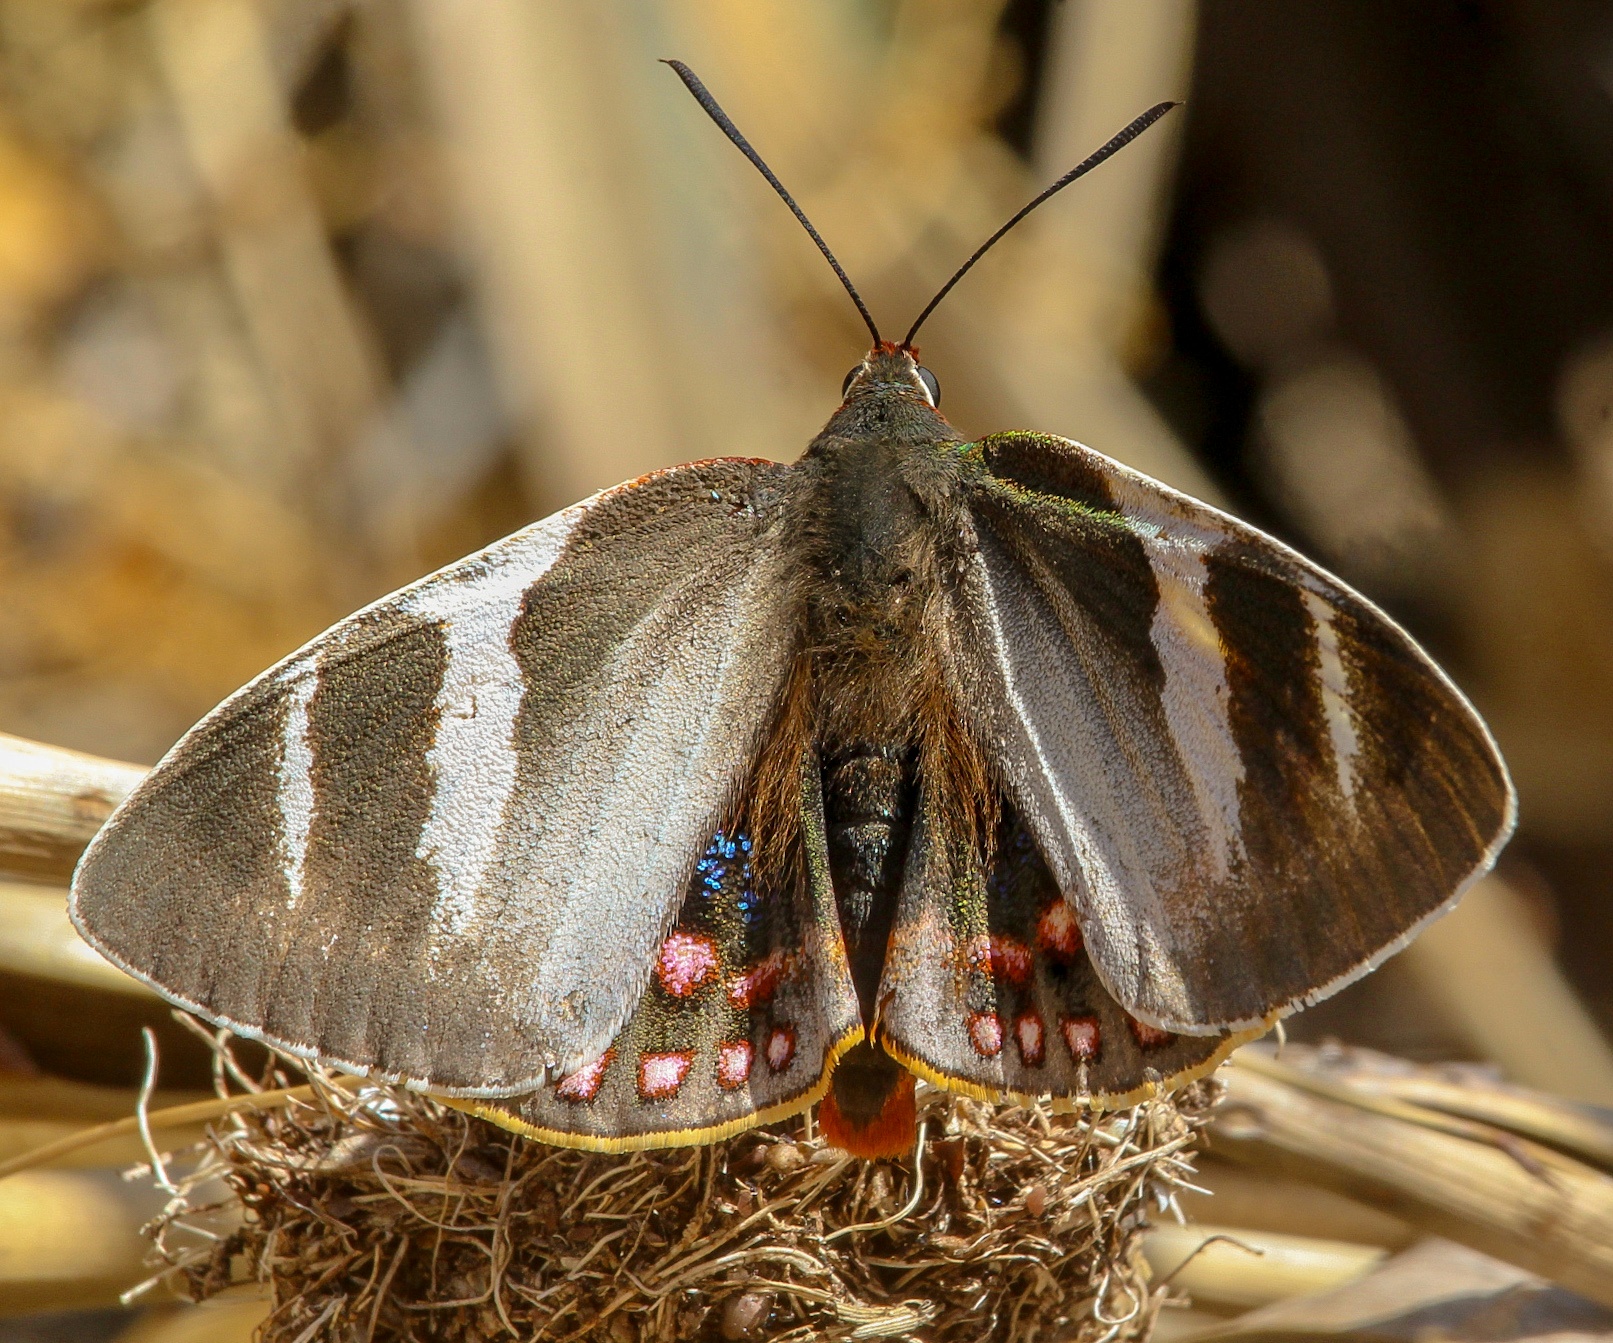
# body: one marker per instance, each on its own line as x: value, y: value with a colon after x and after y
x: 865, y: 524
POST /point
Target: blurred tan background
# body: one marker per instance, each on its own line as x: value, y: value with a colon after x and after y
x: 300, y: 299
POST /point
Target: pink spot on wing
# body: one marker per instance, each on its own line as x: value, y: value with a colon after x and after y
x: 1058, y: 933
x: 1149, y: 1037
x: 780, y: 1048
x: 1031, y: 1037
x: 986, y: 1034
x: 758, y: 984
x: 1003, y: 958
x: 660, y: 1075
x: 733, y: 1063
x: 584, y: 1084
x: 1082, y: 1036
x: 686, y: 962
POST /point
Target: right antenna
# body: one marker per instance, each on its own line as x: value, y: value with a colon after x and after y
x: 1081, y: 169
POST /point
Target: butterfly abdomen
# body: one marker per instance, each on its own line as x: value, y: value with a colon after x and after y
x: 869, y: 794
x: 868, y: 801
x: 870, y: 1110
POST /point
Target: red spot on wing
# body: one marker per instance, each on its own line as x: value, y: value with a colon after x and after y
x: 734, y: 1058
x: 1057, y: 932
x: 584, y: 1084
x: 660, y: 1075
x: 1004, y: 958
x: 1031, y: 1037
x: 986, y: 1034
x: 780, y: 1048
x: 686, y: 962
x: 891, y: 1134
x: 1149, y: 1037
x: 1083, y: 1037
x: 758, y: 984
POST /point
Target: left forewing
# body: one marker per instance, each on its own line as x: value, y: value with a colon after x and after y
x: 443, y: 841
x: 1250, y: 782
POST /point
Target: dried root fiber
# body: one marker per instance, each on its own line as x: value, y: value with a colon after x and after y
x: 376, y: 1214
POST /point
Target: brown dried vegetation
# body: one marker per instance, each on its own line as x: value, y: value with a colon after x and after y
x: 374, y: 1213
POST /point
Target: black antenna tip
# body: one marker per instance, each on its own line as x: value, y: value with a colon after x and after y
x: 702, y: 95
x: 1112, y: 146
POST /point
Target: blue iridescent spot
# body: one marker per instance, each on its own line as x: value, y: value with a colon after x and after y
x: 725, y: 869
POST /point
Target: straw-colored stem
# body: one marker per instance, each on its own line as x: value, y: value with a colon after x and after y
x: 173, y: 1117
x: 1497, y: 1193
x: 1489, y: 950
x: 37, y: 940
x: 229, y: 1318
x: 1231, y: 1266
x: 70, y: 1239
x: 52, y: 801
x: 1548, y: 1119
x: 216, y: 60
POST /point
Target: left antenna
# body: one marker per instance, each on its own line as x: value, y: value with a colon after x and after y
x: 703, y: 96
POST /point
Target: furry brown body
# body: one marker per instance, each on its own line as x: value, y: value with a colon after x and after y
x: 876, y: 703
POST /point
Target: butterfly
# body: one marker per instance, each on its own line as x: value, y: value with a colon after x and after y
x: 742, y: 786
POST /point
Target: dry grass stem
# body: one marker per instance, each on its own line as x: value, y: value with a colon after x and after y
x: 1493, y: 1190
x: 52, y: 801
x: 376, y: 1214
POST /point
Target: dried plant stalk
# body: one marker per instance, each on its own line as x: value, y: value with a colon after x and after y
x: 52, y: 801
x: 1233, y: 1266
x: 38, y: 940
x: 1469, y: 1092
x: 1482, y: 1186
x: 69, y: 1239
x: 380, y: 1214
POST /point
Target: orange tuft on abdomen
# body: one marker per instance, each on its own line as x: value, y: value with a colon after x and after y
x: 890, y: 1133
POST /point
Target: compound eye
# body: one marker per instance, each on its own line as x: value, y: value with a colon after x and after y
x: 846, y: 385
x: 931, y: 386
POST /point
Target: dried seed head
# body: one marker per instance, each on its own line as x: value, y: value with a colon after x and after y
x: 375, y: 1213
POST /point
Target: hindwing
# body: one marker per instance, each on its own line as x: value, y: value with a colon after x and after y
x: 749, y: 1005
x: 988, y: 987
x: 443, y: 842
x: 1250, y: 783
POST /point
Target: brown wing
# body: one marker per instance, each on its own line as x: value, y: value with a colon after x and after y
x: 750, y: 1004
x: 443, y: 842
x: 1249, y: 782
x: 988, y: 987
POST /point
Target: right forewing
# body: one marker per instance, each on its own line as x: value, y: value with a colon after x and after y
x: 1251, y: 785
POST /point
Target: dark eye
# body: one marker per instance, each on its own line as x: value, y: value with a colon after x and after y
x: 931, y: 386
x: 846, y: 385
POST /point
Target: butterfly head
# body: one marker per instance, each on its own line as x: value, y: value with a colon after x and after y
x: 890, y: 396
x: 892, y: 370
